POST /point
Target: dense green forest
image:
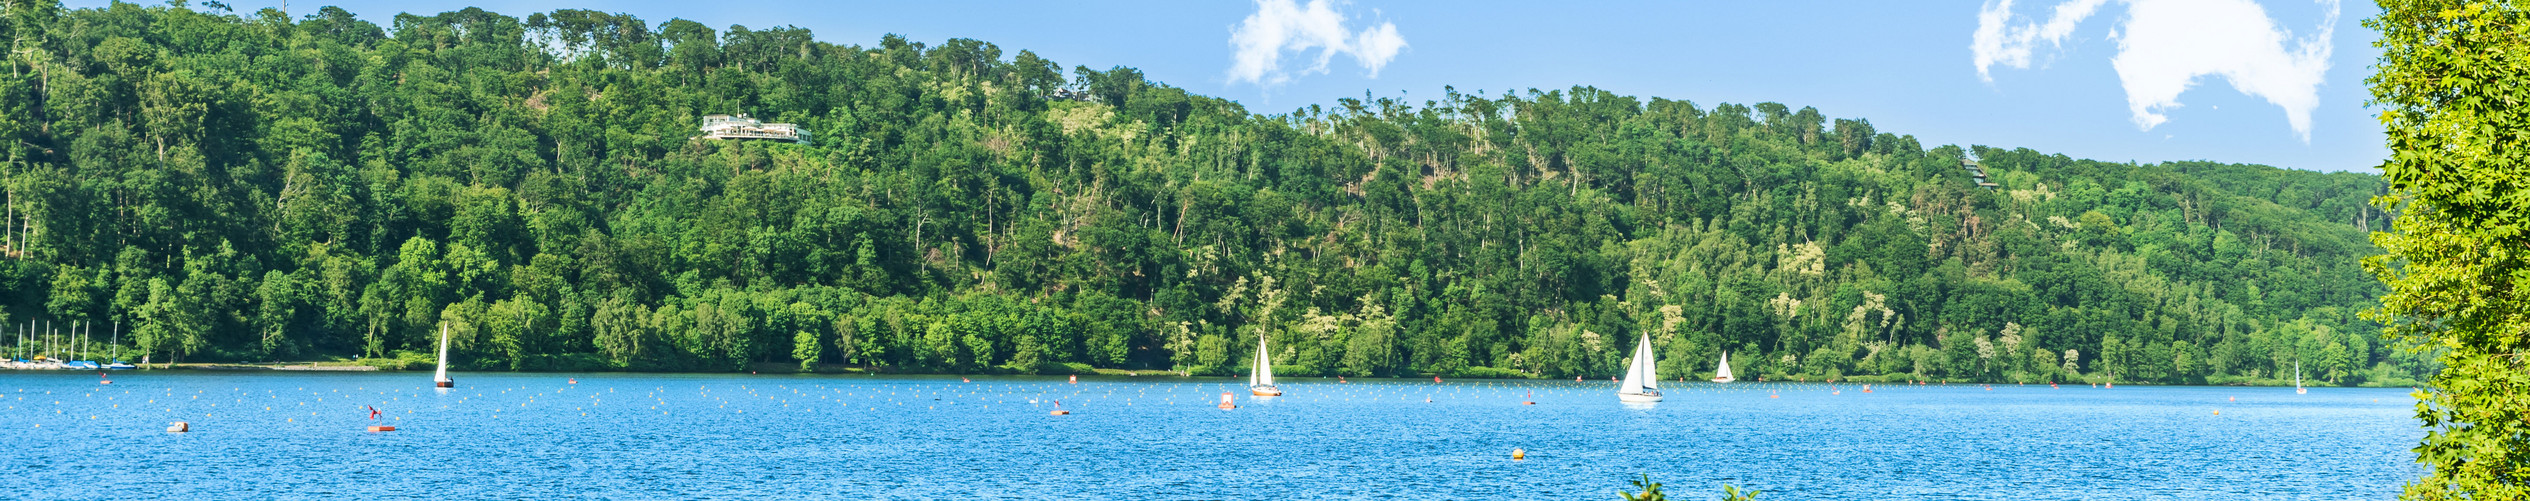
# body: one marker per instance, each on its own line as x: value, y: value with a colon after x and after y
x: 224, y: 186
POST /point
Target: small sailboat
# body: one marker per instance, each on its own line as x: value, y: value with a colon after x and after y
x: 1640, y: 383
x: 2297, y: 380
x: 442, y: 380
x: 1722, y: 374
x: 1260, y: 381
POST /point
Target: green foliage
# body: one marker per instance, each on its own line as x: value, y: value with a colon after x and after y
x: 1650, y: 491
x: 243, y: 187
x: 2449, y: 81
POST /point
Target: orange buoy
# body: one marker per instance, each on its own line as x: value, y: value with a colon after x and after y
x: 381, y: 428
x: 1076, y: 379
x: 1436, y: 379
x: 2236, y: 399
x: 2218, y: 412
x: 575, y: 380
x: 1225, y: 402
x: 179, y: 427
x: 962, y: 379
x: 1517, y: 454
x: 1774, y: 396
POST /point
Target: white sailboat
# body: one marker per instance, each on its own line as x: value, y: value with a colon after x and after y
x: 442, y: 380
x: 1640, y: 384
x: 2297, y: 380
x: 1260, y: 381
x: 1722, y: 374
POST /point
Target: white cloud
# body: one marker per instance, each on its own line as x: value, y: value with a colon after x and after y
x: 1279, y: 26
x: 1996, y: 43
x: 2166, y: 44
x: 2163, y: 46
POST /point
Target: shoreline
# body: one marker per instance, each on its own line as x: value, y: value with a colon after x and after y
x: 787, y: 370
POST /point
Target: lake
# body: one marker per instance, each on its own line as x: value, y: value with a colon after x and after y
x: 645, y: 436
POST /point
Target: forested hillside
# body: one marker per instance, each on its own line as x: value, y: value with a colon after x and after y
x: 255, y: 186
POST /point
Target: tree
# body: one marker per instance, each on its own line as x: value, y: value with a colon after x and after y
x: 807, y: 348
x: 2457, y: 260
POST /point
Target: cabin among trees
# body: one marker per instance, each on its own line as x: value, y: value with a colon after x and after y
x: 741, y: 126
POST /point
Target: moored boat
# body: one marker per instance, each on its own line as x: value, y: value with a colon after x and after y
x: 1722, y: 374
x: 442, y: 380
x: 1260, y: 380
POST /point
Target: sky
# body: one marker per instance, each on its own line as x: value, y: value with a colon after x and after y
x: 2274, y: 82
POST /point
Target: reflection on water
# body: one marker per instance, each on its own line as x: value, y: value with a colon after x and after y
x: 730, y: 436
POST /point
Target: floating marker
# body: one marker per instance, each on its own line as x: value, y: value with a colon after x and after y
x: 1517, y: 454
x: 179, y: 427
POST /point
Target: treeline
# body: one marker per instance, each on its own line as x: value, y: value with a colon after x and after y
x: 253, y: 186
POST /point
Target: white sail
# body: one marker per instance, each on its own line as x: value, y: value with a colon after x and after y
x: 1651, y: 378
x: 2297, y: 374
x: 443, y: 355
x: 1638, y: 374
x: 1263, y: 374
x: 1723, y: 373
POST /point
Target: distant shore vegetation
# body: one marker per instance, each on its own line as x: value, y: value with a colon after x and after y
x: 245, y: 186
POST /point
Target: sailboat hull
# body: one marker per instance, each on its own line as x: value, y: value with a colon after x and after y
x: 1724, y: 379
x: 1265, y: 391
x: 1638, y: 397
x: 444, y: 384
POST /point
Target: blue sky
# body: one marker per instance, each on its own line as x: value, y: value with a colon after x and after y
x: 2078, y: 77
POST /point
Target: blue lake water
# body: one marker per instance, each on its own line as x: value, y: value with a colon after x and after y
x: 638, y: 436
